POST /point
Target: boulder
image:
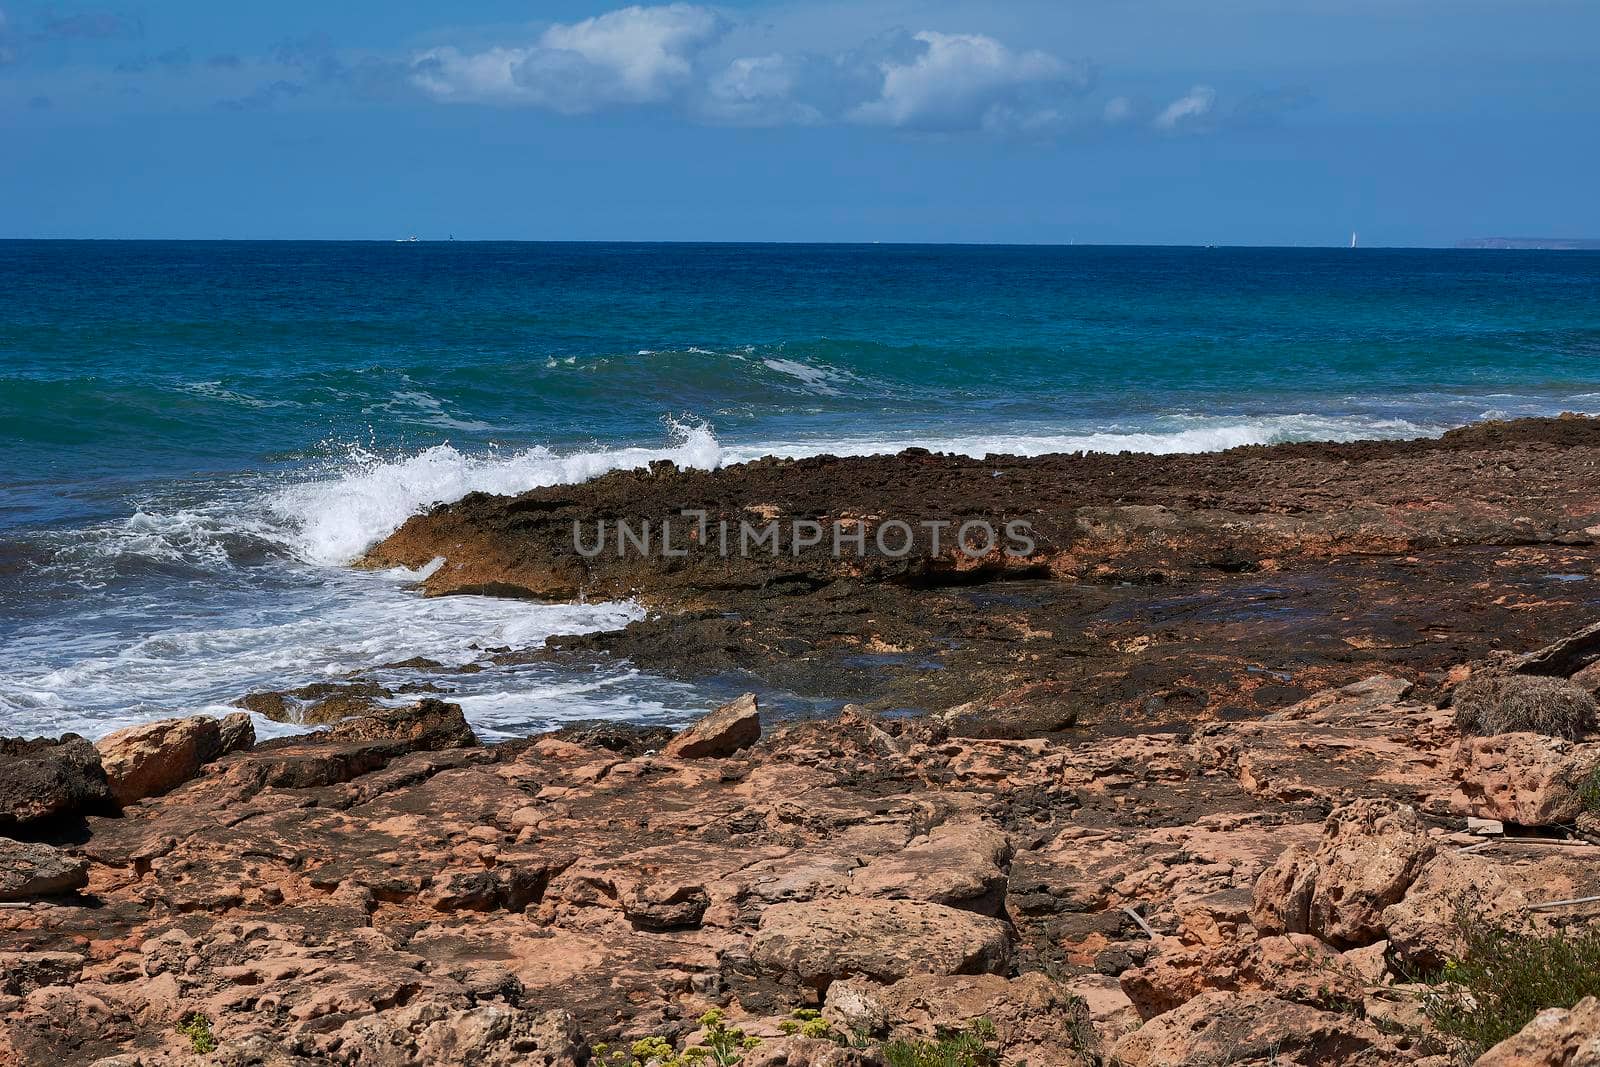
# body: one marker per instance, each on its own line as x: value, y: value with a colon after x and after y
x: 818, y: 942
x: 1556, y: 1037
x: 962, y: 864
x: 1370, y: 853
x: 732, y: 727
x: 1038, y: 1020
x: 45, y: 779
x: 436, y: 1033
x: 1425, y: 927
x: 1523, y: 778
x: 1295, y: 967
x: 428, y: 725
x: 156, y: 757
x: 1254, y: 1030
x: 32, y: 870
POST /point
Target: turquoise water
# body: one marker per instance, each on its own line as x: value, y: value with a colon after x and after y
x: 199, y: 435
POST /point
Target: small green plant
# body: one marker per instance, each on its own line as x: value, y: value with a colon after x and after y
x: 1506, y: 975
x: 975, y: 1046
x: 724, y: 1047
x: 1589, y: 791
x: 197, y: 1028
x: 808, y: 1022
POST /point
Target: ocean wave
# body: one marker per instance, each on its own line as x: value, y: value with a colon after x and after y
x: 1168, y: 435
x: 333, y: 520
x: 97, y: 680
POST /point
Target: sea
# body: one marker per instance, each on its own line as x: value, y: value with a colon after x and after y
x: 197, y: 438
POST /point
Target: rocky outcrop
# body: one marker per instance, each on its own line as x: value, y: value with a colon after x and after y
x: 1557, y: 1037
x: 1525, y: 778
x: 146, y: 761
x: 815, y: 944
x: 32, y: 870
x: 734, y: 726
x: 379, y: 889
x: 1370, y: 853
x: 1254, y: 1030
x: 42, y: 779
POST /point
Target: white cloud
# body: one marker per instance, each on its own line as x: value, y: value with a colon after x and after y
x: 1188, y: 109
x: 636, y: 55
x: 1119, y: 109
x: 759, y: 91
x: 970, y: 81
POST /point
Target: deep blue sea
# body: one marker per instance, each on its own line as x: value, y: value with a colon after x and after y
x: 198, y: 437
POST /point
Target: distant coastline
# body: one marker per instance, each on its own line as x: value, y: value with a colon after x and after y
x: 1534, y: 244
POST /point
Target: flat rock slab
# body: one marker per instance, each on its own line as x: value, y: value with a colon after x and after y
x: 818, y: 942
x: 31, y: 870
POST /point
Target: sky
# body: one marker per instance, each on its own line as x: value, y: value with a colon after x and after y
x: 1278, y: 122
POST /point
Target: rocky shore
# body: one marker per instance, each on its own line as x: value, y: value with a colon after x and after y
x: 1251, y: 760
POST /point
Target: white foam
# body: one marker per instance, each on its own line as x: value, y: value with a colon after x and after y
x: 1187, y: 434
x: 95, y: 682
x: 817, y: 378
x: 336, y: 519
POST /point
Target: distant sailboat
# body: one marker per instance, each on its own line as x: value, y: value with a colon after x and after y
x: 1352, y: 238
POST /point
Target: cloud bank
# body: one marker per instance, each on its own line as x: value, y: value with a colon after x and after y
x: 927, y: 81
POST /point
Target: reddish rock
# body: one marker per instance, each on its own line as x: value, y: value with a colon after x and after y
x: 734, y: 726
x: 154, y: 758
x: 820, y: 942
x: 1255, y: 1030
x: 1523, y: 778
x: 1370, y: 853
x: 1556, y: 1037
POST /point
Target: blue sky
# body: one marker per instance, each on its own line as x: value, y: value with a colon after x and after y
x: 1101, y: 121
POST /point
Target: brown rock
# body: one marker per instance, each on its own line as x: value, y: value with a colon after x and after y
x: 818, y: 942
x: 1523, y: 778
x: 1038, y: 1021
x: 44, y: 779
x: 1254, y: 1030
x: 154, y: 758
x: 962, y: 864
x: 1424, y: 927
x: 33, y: 870
x: 733, y: 726
x: 428, y: 725
x: 1370, y: 853
x: 1556, y: 1037
x: 434, y: 1032
x: 23, y: 972
x: 1295, y: 967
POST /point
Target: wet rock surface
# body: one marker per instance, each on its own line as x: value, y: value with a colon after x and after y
x: 1158, y: 589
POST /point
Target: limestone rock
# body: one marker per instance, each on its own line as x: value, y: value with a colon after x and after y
x: 156, y: 757
x: 818, y: 942
x: 1037, y: 1019
x: 33, y: 870
x: 1370, y: 853
x: 1424, y: 928
x: 807, y: 1052
x: 1556, y: 1037
x: 1523, y: 778
x: 733, y: 726
x: 1254, y: 1030
x: 428, y: 725
x: 432, y: 1033
x: 1295, y: 967
x: 962, y: 864
x: 43, y: 779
